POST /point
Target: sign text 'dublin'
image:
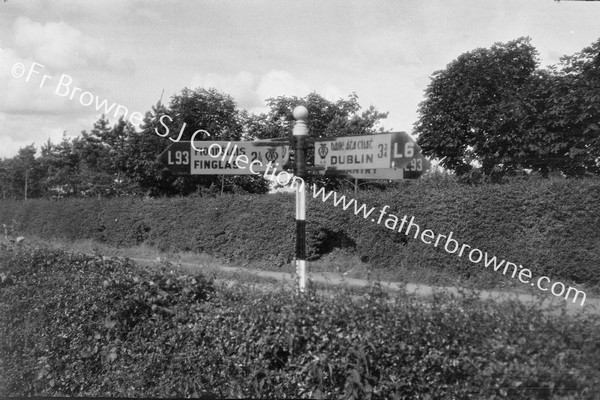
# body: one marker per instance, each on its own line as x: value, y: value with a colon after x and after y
x: 385, y: 150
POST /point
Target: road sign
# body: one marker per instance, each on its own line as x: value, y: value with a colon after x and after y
x: 219, y: 157
x: 383, y: 150
x: 417, y: 167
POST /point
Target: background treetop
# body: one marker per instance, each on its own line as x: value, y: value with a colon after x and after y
x: 496, y: 107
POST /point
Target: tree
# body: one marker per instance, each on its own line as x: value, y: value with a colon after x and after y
x: 61, y: 166
x: 576, y: 108
x: 478, y: 108
x: 140, y: 156
x: 204, y: 109
x: 101, y: 157
x: 325, y: 119
x: 21, y: 175
x: 494, y: 107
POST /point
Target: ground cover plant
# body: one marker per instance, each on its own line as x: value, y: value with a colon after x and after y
x: 80, y: 325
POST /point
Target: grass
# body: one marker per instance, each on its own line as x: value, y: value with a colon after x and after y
x: 339, y: 267
x: 77, y: 325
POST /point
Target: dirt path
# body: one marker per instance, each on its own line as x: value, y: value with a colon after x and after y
x: 337, y: 280
x: 327, y: 278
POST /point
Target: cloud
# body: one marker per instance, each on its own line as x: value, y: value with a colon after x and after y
x: 19, y: 96
x: 39, y: 131
x: 116, y: 10
x: 60, y: 47
x: 281, y: 83
x: 250, y: 91
x: 30, y: 110
x: 241, y: 87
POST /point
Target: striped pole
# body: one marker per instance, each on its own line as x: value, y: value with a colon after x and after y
x: 300, y: 132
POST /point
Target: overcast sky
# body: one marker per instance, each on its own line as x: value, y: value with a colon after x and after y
x: 127, y: 52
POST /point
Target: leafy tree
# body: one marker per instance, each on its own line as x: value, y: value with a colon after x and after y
x: 7, y: 178
x: 140, y: 156
x: 197, y: 111
x: 474, y: 109
x: 325, y: 119
x: 576, y: 108
x: 203, y: 109
x: 102, y: 156
x: 21, y: 175
x: 61, y: 166
x: 494, y: 107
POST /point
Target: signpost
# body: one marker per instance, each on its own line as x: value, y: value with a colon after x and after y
x: 417, y: 167
x: 300, y: 132
x: 218, y: 158
x: 383, y: 150
x: 393, y: 155
x: 370, y: 157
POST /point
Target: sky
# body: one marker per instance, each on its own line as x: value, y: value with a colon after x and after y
x: 60, y: 60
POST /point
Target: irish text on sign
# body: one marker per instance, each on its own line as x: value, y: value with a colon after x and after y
x: 384, y: 150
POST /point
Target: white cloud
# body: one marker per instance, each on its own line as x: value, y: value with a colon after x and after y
x: 116, y: 10
x: 281, y: 83
x: 60, y: 46
x: 241, y: 87
x: 250, y: 91
x: 31, y: 111
x: 19, y: 96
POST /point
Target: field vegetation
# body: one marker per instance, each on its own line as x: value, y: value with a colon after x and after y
x: 80, y: 325
x: 554, y: 221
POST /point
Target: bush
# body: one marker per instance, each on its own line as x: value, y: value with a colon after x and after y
x: 548, y: 226
x: 74, y: 325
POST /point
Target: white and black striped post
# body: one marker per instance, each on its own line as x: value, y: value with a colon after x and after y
x: 300, y: 132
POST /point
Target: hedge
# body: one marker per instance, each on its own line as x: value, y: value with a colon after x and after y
x: 551, y: 227
x: 77, y: 325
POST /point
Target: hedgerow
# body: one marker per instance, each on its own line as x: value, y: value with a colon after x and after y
x: 75, y: 325
x: 548, y: 226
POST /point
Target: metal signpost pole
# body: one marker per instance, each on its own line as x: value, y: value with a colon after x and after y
x: 300, y: 132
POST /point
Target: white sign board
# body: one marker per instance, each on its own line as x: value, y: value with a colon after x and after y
x: 385, y: 173
x: 417, y: 167
x: 383, y: 150
x: 218, y: 158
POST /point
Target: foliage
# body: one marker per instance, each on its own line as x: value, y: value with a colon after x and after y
x: 325, y: 119
x: 141, y: 163
x: 74, y: 325
x: 495, y: 107
x: 61, y: 164
x: 121, y: 161
x: 548, y: 226
x: 576, y: 108
x: 205, y: 109
x: 20, y: 176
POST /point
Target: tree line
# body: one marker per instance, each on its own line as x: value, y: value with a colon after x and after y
x: 492, y: 110
x: 121, y: 160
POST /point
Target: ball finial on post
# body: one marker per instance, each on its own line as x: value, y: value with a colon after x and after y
x: 300, y: 113
x: 300, y: 128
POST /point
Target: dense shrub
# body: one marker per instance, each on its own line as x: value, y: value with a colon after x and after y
x: 74, y: 325
x: 549, y: 226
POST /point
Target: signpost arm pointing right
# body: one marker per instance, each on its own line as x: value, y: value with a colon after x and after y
x: 300, y: 132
